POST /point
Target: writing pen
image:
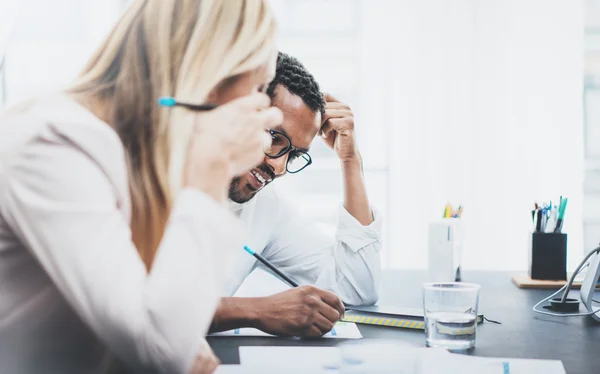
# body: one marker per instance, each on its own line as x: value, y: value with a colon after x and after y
x: 268, y: 264
x: 284, y: 277
x: 538, y: 224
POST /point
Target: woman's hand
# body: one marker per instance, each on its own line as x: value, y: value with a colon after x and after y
x: 229, y: 141
x: 205, y: 361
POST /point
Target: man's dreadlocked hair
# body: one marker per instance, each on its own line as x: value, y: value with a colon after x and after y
x: 292, y: 75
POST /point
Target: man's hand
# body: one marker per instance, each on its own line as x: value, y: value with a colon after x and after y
x: 338, y: 129
x: 305, y: 311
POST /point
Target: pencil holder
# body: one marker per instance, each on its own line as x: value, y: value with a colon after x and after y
x: 445, y: 238
x: 548, y: 256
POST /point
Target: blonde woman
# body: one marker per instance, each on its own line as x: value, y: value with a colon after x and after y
x: 113, y: 237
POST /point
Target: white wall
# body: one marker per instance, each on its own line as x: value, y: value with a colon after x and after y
x: 591, y: 211
x: 51, y: 42
x: 488, y: 115
x: 453, y: 99
x: 337, y: 45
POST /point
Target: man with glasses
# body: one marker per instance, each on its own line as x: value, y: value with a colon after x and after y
x: 328, y: 269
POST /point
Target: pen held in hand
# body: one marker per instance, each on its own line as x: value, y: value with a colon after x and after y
x: 268, y: 264
x: 284, y: 277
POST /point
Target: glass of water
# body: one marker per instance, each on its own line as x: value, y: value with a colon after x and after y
x: 450, y: 315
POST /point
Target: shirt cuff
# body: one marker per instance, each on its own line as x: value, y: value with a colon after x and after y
x: 354, y: 234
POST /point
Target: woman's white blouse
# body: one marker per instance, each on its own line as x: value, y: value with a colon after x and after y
x: 72, y: 285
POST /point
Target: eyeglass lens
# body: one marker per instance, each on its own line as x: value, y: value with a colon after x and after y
x: 280, y: 144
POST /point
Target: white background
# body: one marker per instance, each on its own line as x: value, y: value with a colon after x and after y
x: 473, y: 102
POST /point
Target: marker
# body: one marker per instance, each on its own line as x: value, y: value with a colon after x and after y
x: 561, y: 214
x: 168, y: 101
x: 271, y: 266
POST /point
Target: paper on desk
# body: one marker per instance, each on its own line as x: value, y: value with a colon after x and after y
x: 341, y: 330
x: 463, y: 364
x: 269, y: 369
x: 327, y: 358
x: 265, y: 369
x: 402, y: 360
x: 230, y: 369
x: 391, y: 358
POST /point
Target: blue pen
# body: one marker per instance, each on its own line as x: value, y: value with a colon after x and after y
x: 271, y: 266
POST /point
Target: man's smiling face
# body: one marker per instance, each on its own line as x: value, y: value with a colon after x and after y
x: 300, y: 123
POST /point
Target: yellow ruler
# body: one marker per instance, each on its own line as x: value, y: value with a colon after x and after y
x: 384, y: 321
x: 390, y: 322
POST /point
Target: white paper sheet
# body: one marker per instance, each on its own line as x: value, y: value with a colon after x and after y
x: 266, y: 369
x: 475, y: 365
x: 231, y: 369
x: 403, y: 360
x: 293, y: 357
x: 341, y: 330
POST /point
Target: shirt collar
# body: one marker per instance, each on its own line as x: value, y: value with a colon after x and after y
x: 235, y: 207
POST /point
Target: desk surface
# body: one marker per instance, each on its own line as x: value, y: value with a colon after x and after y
x: 523, y: 333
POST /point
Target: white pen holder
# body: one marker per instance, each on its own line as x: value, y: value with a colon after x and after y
x: 444, y: 242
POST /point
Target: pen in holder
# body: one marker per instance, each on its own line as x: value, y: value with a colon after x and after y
x: 548, y: 256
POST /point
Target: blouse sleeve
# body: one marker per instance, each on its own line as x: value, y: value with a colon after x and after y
x: 62, y: 206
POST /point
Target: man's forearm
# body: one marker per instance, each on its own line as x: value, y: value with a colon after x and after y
x: 356, y: 201
x: 234, y: 313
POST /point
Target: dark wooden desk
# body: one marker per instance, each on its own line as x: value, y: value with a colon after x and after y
x: 523, y: 333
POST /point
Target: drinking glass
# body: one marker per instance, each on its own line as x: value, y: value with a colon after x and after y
x: 450, y: 311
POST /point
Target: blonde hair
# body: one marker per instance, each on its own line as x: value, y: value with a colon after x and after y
x: 181, y: 48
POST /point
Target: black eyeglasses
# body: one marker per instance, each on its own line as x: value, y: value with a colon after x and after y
x: 280, y: 146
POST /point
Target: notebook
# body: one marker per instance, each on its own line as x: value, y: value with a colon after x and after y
x: 392, y: 316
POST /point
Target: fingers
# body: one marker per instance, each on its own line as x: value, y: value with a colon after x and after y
x: 323, y: 323
x: 325, y: 129
x: 336, y: 125
x: 336, y: 105
x: 254, y: 101
x: 329, y: 312
x: 333, y: 301
x: 260, y: 120
x: 329, y: 97
x: 211, y: 366
x: 338, y: 113
x: 314, y: 332
x: 338, y: 116
x: 205, y: 361
x: 271, y: 117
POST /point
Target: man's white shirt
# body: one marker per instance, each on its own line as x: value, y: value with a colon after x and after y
x: 347, y: 264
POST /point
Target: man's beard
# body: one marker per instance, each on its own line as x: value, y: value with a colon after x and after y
x: 235, y: 190
x: 235, y: 193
